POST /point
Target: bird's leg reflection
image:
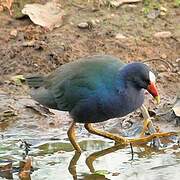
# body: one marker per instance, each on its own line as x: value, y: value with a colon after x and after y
x: 73, y: 163
x: 92, y: 157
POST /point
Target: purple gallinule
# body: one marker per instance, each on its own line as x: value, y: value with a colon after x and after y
x: 95, y: 89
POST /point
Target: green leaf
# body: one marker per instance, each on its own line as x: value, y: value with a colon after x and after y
x: 101, y: 172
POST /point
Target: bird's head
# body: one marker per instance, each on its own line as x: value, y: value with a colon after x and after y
x: 141, y: 77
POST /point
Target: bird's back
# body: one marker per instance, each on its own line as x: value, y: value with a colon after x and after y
x: 71, y: 84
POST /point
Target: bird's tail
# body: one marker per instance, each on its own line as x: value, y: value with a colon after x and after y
x: 35, y: 81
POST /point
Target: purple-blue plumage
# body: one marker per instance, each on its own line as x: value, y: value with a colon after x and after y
x: 93, y: 89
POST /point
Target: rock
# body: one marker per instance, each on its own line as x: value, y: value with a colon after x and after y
x: 163, y: 9
x: 120, y: 36
x: 14, y: 32
x: 153, y: 14
x: 95, y: 21
x: 163, y: 56
x: 117, y: 3
x: 86, y: 25
x: 178, y: 60
x: 162, y: 13
x: 83, y: 25
x: 163, y: 34
x: 29, y: 43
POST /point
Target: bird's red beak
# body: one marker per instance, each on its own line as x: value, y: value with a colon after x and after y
x: 152, y: 89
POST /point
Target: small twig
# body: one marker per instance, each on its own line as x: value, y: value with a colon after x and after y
x: 26, y: 146
x: 132, y: 152
x: 169, y: 64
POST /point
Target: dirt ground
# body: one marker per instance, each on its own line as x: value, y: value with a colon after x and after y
x: 124, y: 32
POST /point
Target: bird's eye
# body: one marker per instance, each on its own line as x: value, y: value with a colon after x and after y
x: 147, y: 81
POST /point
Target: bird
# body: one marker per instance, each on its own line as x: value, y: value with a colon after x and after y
x: 94, y: 89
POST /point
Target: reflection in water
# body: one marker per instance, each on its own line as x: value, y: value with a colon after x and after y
x: 51, y: 159
x: 92, y: 157
x: 89, y: 162
x: 73, y: 163
x: 143, y: 151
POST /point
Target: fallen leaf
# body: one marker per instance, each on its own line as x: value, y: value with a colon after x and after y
x: 25, y: 169
x: 101, y: 172
x: 49, y: 15
x: 7, y: 167
x: 41, y: 110
x: 7, y: 4
x: 9, y: 113
x: 6, y: 171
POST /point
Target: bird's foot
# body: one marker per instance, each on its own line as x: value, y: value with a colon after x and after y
x: 151, y: 137
x: 146, y: 124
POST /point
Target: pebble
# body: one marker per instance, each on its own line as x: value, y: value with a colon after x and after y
x: 14, y: 32
x: 163, y: 34
x: 153, y: 14
x: 83, y: 25
x: 164, y: 56
x: 120, y: 36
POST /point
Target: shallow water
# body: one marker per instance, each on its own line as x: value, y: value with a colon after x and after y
x: 54, y: 158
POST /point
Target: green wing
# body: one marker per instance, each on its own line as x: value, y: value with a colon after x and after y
x: 81, y: 79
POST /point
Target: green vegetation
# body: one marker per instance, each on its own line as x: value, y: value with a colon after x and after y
x: 177, y: 3
x: 149, y: 5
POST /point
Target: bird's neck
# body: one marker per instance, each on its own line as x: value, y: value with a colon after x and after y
x: 127, y: 88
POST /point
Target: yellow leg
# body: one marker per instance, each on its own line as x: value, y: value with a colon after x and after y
x: 72, y: 137
x: 147, y: 125
x: 105, y: 134
x: 123, y: 140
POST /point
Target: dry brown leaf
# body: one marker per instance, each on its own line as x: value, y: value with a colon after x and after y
x: 49, y: 15
x: 25, y: 168
x: 6, y: 171
x: 7, y: 167
x: 7, y: 4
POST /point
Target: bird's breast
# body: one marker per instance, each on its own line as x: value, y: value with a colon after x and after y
x: 121, y: 104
